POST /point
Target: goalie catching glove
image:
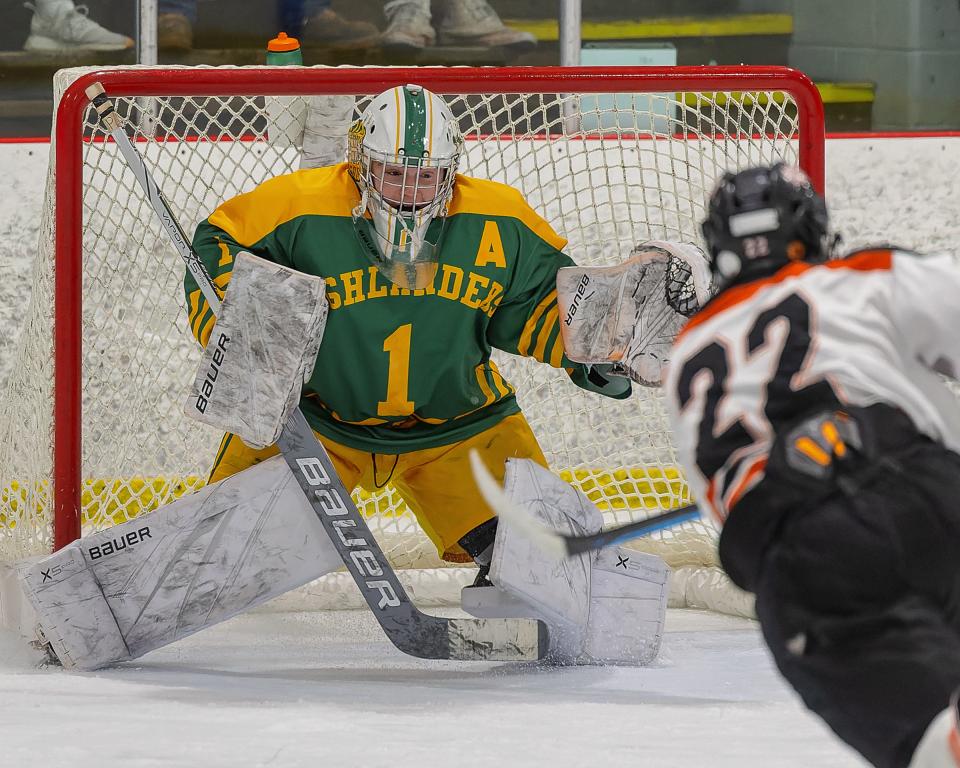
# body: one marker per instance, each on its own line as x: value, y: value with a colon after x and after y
x: 629, y: 315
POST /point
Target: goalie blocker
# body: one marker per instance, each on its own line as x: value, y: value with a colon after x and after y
x: 261, y: 351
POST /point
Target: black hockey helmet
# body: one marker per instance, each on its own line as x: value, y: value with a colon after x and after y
x: 760, y: 219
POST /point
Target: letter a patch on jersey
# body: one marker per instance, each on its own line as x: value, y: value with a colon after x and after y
x: 491, y: 247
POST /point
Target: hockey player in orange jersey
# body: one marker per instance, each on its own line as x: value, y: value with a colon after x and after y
x: 810, y: 414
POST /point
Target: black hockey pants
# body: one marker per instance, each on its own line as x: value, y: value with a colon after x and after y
x: 859, y: 601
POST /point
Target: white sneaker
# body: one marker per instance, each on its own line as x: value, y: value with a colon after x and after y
x: 475, y: 23
x: 408, y: 25
x: 58, y: 25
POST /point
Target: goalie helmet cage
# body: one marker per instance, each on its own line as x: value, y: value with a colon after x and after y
x: 92, y: 429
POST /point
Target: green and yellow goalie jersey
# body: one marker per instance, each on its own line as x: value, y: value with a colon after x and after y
x: 402, y: 370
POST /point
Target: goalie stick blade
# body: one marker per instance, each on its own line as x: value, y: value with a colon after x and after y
x: 562, y: 544
x: 497, y: 639
x: 493, y: 493
x: 432, y: 637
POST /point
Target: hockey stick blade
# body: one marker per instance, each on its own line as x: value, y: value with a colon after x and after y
x: 563, y: 544
x: 493, y: 493
x: 410, y: 630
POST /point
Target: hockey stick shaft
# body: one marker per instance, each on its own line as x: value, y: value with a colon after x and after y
x: 409, y: 629
x: 577, y: 544
x: 565, y: 544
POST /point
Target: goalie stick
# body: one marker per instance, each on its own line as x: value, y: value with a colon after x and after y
x: 562, y: 544
x: 413, y: 632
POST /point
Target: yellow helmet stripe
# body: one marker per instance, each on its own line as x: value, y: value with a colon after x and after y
x: 400, y: 120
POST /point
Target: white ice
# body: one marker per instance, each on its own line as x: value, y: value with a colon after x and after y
x: 326, y: 689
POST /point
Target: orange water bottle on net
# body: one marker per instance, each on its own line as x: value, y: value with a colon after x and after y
x: 284, y: 49
x: 285, y: 114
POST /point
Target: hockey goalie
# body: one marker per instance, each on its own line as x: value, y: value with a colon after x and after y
x: 369, y: 294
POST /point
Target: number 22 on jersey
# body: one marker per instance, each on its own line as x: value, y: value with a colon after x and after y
x: 397, y: 347
x: 777, y: 402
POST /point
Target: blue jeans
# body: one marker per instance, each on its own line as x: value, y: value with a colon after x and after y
x: 290, y: 13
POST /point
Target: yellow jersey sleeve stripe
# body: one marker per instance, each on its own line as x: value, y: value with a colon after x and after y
x: 490, y: 198
x: 556, y: 354
x: 193, y: 313
x: 484, y: 386
x: 250, y: 217
x: 499, y: 382
x: 549, y: 326
x: 204, y: 336
x: 523, y: 347
x: 201, y: 319
x: 198, y: 317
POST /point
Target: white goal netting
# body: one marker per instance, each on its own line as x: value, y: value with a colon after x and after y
x: 607, y: 170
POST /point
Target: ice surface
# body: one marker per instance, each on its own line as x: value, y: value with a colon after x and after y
x: 327, y: 689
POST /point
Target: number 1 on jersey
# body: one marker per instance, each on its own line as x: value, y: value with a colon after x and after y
x: 397, y: 345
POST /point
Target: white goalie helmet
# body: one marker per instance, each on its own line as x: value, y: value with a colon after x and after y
x: 403, y: 154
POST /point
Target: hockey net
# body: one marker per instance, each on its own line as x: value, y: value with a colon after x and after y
x: 91, y: 414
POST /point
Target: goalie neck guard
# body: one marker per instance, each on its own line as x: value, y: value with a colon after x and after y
x: 761, y: 219
x: 403, y: 154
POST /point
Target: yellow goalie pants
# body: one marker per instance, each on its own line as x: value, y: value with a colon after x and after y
x: 436, y: 483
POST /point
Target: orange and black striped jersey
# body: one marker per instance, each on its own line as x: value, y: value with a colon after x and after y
x: 876, y: 327
x: 402, y: 370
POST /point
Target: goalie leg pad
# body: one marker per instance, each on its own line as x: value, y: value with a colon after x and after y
x: 262, y: 349
x: 63, y: 586
x: 604, y: 607
x: 191, y: 564
x: 628, y: 607
x: 555, y: 588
